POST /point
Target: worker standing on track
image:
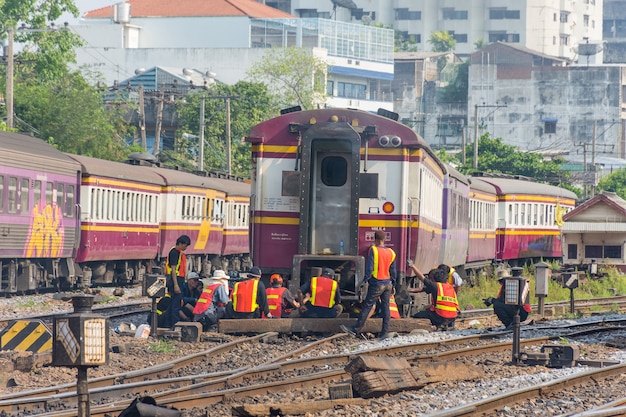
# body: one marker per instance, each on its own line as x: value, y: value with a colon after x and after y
x: 279, y: 299
x: 249, y: 300
x: 380, y: 275
x: 176, y: 269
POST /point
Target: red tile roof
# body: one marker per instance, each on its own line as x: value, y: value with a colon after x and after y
x: 193, y: 8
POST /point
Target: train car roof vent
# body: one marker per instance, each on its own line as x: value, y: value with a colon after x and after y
x: 142, y: 158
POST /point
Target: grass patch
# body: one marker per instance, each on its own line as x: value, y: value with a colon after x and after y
x: 487, y: 286
x: 31, y: 303
x: 163, y: 346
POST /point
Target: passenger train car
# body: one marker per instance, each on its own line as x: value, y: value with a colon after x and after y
x: 323, y: 181
x: 70, y: 220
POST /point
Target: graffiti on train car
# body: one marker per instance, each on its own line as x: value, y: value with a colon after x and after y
x: 46, y: 233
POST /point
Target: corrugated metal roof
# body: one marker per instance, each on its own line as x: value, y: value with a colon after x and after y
x: 581, y: 227
x: 192, y: 8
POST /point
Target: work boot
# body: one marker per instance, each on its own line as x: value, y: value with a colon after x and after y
x: 384, y: 336
x: 347, y: 329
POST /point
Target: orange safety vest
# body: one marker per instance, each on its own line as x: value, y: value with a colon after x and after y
x: 180, y: 266
x: 244, y: 296
x: 323, y: 291
x: 206, y: 299
x: 383, y: 258
x: 445, y: 304
x: 275, y: 300
x: 393, y: 308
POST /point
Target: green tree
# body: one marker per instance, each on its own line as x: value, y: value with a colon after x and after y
x: 70, y: 114
x: 615, y: 183
x: 248, y: 106
x: 442, y: 41
x: 293, y: 75
x: 479, y: 44
x: 45, y: 52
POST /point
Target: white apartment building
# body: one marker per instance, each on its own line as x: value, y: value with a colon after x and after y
x: 551, y: 27
x: 226, y: 37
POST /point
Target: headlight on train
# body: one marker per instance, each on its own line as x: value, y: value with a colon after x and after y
x: 396, y: 141
x: 384, y: 141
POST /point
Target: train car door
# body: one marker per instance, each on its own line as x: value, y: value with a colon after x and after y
x: 330, y: 179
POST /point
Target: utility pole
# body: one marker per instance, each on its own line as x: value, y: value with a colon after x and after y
x: 228, y: 144
x: 201, y: 156
x: 9, y: 80
x: 159, y: 121
x: 142, y: 118
x: 476, y: 107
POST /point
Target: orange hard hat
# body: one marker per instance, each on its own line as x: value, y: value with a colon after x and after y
x: 276, y: 278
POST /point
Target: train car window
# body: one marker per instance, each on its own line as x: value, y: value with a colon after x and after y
x: 49, y: 193
x: 61, y: 197
x: 334, y: 171
x: 12, y: 206
x: 1, y: 193
x: 36, y: 193
x: 69, y: 201
x: 106, y: 204
x: 572, y: 251
x: 535, y: 214
x: 613, y: 252
x: 24, y: 206
x: 530, y: 214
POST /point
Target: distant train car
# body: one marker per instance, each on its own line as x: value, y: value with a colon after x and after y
x: 482, y: 229
x: 192, y: 205
x: 120, y: 210
x: 324, y: 181
x: 529, y: 218
x: 455, y: 227
x: 39, y: 191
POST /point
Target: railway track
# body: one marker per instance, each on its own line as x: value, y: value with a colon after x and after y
x: 282, y: 372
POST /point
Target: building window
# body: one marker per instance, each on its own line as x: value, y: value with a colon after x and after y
x: 572, y: 251
x: 460, y: 38
x: 310, y: 13
x: 349, y: 90
x: 503, y: 37
x: 451, y: 14
x: 613, y: 252
x: 330, y: 88
x: 501, y: 13
x: 586, y: 20
x: 549, y: 126
x: 564, y: 40
x: 564, y: 16
x: 406, y: 14
x: 593, y: 251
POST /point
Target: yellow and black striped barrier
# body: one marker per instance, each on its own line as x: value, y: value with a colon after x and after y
x: 26, y: 336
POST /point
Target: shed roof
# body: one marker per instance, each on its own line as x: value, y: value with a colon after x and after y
x: 192, y: 8
x: 605, y: 197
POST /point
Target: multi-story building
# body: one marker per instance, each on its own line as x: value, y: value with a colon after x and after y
x: 614, y: 31
x: 226, y: 37
x: 550, y: 27
x: 538, y: 103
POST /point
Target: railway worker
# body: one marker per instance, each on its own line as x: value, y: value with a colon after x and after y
x: 191, y: 291
x: 506, y: 312
x: 454, y: 278
x: 176, y: 270
x: 249, y: 300
x: 380, y: 275
x: 279, y: 299
x: 211, y: 305
x: 322, y: 297
x: 444, y: 307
